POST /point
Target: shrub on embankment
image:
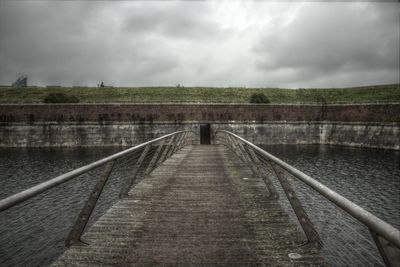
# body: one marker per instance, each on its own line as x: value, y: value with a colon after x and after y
x: 367, y: 94
x: 60, y: 98
x: 259, y: 98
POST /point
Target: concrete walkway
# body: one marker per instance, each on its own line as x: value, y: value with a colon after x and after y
x: 201, y: 207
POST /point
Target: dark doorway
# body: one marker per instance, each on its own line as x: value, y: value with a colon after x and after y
x: 205, y: 134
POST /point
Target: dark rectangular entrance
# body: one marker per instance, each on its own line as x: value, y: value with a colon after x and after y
x: 205, y: 134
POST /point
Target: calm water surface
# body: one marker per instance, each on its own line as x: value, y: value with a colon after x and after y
x: 368, y: 177
x: 33, y: 233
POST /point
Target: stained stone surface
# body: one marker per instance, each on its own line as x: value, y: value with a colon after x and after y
x: 201, y: 207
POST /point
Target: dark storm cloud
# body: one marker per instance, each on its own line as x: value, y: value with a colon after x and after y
x: 199, y: 43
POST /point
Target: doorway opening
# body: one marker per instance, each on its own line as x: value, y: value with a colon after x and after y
x: 205, y: 134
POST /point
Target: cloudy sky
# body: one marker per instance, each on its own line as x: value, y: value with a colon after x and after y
x: 200, y: 43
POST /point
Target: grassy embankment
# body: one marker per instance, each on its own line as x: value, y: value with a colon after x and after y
x: 366, y: 94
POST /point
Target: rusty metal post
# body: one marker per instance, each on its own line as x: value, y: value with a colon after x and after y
x: 305, y: 222
x: 271, y: 188
x: 125, y: 189
x: 74, y: 237
x: 390, y: 253
x: 154, y: 158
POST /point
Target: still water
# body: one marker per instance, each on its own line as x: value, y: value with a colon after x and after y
x: 368, y: 177
x: 33, y: 233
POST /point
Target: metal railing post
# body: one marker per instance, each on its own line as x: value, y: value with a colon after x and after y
x: 271, y: 188
x: 154, y: 158
x: 253, y: 162
x: 125, y: 189
x: 174, y: 146
x: 379, y: 226
x: 194, y: 142
x: 22, y: 196
x: 182, y: 141
x: 386, y: 237
x: 177, y: 144
x: 389, y: 253
x: 222, y: 140
x: 305, y: 222
x: 167, y: 149
x: 74, y: 237
x: 247, y: 159
x: 236, y: 149
x: 229, y: 143
x: 191, y: 139
x: 242, y: 153
x: 171, y: 150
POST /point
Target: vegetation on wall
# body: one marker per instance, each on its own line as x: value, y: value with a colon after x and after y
x: 60, y: 98
x: 367, y: 94
x: 259, y: 98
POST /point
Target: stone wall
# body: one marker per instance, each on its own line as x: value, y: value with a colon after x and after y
x: 84, y: 134
x: 378, y: 135
x: 372, y: 135
x: 375, y: 126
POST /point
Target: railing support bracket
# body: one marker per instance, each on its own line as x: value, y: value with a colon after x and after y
x: 74, y: 237
x: 390, y: 254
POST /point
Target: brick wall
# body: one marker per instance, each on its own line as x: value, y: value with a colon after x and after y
x: 103, y: 113
x: 66, y: 125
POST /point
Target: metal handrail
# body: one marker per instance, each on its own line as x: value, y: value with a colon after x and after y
x: 375, y: 224
x: 35, y: 190
x: 386, y: 237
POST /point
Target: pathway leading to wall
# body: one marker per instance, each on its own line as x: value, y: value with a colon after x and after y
x: 200, y: 207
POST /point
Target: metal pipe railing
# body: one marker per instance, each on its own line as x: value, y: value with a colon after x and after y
x: 35, y: 190
x: 375, y: 224
x: 379, y: 226
x: 74, y: 237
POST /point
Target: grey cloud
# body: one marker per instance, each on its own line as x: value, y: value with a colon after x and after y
x: 169, y: 42
x: 48, y: 40
x: 189, y: 20
x: 328, y: 41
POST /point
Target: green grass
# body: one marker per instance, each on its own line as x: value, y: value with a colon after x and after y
x: 366, y: 94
